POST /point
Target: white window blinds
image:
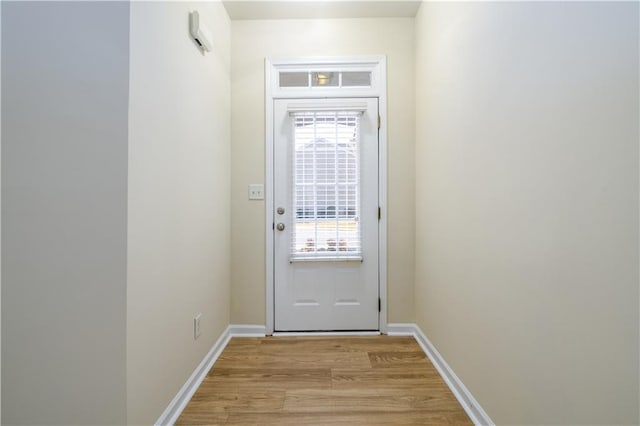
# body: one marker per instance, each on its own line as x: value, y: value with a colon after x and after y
x: 326, y: 186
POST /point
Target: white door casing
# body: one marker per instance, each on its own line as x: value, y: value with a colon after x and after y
x: 275, y: 89
x: 326, y: 214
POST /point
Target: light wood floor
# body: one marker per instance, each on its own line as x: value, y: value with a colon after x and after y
x: 376, y: 380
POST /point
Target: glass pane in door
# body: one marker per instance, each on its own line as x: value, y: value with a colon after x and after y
x: 326, y: 186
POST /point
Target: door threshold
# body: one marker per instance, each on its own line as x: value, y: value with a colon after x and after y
x: 325, y: 333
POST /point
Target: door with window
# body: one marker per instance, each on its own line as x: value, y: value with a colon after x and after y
x: 326, y: 214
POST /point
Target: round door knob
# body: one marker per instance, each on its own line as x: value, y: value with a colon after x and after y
x: 280, y: 210
x: 280, y: 226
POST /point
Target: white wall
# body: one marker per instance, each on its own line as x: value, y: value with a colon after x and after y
x: 64, y: 198
x: 178, y: 227
x: 527, y: 205
x: 252, y: 41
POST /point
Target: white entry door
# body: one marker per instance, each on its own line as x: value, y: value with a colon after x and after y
x: 326, y: 214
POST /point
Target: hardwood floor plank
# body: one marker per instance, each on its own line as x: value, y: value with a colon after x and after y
x: 244, y: 400
x: 295, y: 360
x: 398, y: 359
x: 387, y: 377
x: 272, y: 378
x: 338, y: 344
x: 375, y: 399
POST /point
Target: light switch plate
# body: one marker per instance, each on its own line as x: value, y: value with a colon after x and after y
x: 256, y: 191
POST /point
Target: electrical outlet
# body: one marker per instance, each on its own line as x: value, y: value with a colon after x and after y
x: 196, y: 326
x: 256, y: 191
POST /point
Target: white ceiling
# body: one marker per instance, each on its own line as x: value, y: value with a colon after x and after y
x: 304, y: 9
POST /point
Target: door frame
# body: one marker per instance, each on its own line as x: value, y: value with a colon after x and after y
x: 377, y: 65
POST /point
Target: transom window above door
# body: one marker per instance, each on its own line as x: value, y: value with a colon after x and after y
x: 326, y: 77
x: 321, y: 79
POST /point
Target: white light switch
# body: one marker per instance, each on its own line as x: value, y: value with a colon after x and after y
x: 256, y: 191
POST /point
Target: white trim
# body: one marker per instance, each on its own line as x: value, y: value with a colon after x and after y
x: 460, y: 391
x: 269, y: 176
x: 324, y: 333
x: 399, y: 329
x: 182, y: 398
x: 382, y: 196
x: 247, y: 330
x: 378, y: 66
x: 338, y: 106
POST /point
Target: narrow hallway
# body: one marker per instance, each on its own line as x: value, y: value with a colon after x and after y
x: 141, y: 217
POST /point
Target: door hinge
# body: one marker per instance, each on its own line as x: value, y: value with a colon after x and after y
x: 379, y: 305
x: 379, y: 120
x: 379, y: 213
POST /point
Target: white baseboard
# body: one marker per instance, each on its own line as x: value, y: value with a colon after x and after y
x: 247, y: 330
x: 180, y: 401
x: 401, y: 329
x: 460, y: 391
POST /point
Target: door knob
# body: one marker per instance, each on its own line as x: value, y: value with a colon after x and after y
x: 280, y: 226
x: 280, y: 210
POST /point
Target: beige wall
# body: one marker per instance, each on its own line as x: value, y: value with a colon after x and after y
x: 178, y: 233
x: 527, y: 205
x: 252, y: 41
x: 64, y: 198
